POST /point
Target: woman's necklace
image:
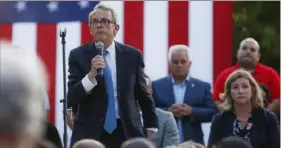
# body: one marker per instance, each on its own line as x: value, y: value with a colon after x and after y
x: 243, y: 118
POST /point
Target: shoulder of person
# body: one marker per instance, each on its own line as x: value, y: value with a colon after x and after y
x: 160, y: 80
x: 200, y: 82
x: 127, y: 48
x: 222, y: 115
x: 269, y: 115
x: 163, y: 112
x: 227, y: 71
x: 80, y: 48
x: 268, y: 69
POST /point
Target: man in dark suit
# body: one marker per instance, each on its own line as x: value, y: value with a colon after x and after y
x: 106, y: 105
x: 188, y: 98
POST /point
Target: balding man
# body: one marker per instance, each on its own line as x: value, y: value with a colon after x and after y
x: 248, y: 56
x: 137, y: 143
x: 22, y: 111
x: 88, y: 143
x: 188, y: 98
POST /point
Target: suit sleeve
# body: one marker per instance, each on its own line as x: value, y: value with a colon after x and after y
x: 156, y: 98
x: 76, y: 91
x: 141, y: 93
x: 171, y: 133
x: 274, y: 130
x: 215, y: 129
x: 207, y: 110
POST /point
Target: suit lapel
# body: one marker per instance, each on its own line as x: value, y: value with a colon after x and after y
x: 170, y: 91
x: 119, y: 67
x: 90, y: 53
x: 190, y: 90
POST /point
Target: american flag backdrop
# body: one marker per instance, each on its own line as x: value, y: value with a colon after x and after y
x: 151, y: 26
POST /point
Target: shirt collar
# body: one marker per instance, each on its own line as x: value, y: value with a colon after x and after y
x: 257, y: 68
x: 174, y: 82
x: 111, y: 49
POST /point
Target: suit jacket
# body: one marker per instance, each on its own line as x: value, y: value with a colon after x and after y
x: 197, y: 95
x: 91, y: 107
x: 265, y: 131
x: 168, y: 134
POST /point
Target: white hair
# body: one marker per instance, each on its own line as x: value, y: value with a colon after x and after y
x: 249, y: 39
x: 177, y: 48
x: 104, y: 8
x: 22, y: 77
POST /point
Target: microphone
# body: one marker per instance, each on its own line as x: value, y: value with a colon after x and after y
x: 63, y: 32
x: 99, y: 46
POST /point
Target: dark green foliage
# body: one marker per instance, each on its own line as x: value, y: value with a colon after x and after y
x: 260, y: 20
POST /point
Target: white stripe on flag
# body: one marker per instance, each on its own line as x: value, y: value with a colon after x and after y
x: 156, y: 38
x: 24, y: 35
x: 201, y: 44
x: 118, y: 6
x: 201, y: 39
x: 73, y: 39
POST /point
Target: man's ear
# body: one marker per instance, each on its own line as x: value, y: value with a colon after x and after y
x: 259, y: 56
x: 116, y: 29
x: 90, y: 29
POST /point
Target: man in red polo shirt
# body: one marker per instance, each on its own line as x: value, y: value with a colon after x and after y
x: 248, y: 57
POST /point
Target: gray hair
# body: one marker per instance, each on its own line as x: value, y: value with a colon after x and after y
x: 137, y: 143
x: 88, y: 143
x: 22, y: 77
x: 249, y: 39
x: 104, y: 8
x: 176, y: 48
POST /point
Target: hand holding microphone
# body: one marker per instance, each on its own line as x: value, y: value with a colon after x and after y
x: 97, y: 63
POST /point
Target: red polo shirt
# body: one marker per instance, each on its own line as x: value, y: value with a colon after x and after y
x: 264, y: 75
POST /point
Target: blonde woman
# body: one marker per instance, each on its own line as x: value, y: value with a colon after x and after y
x: 243, y: 114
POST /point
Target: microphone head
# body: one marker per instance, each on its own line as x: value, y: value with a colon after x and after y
x: 63, y: 32
x: 99, y: 45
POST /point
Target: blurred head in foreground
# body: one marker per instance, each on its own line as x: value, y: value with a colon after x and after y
x: 88, y: 143
x: 190, y: 144
x: 137, y: 143
x: 233, y: 142
x: 22, y: 112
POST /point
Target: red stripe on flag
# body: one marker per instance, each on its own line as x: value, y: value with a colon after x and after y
x: 46, y: 48
x: 133, y: 24
x: 222, y: 36
x: 178, y: 23
x: 85, y: 33
x: 6, y: 32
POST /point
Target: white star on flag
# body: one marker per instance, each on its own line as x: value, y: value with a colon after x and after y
x: 52, y: 6
x: 83, y: 4
x: 20, y: 6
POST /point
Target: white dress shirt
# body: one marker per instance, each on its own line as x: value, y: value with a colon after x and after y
x: 111, y: 60
x: 179, y: 92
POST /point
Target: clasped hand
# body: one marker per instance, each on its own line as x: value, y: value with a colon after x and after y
x: 180, y: 110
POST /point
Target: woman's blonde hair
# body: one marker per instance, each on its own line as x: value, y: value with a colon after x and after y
x: 257, y: 99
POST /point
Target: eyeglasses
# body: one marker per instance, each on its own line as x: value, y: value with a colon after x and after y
x: 103, y: 22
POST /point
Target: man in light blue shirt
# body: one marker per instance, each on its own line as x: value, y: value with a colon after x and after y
x: 188, y: 98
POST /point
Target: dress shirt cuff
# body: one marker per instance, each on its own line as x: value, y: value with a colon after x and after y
x: 153, y: 129
x: 87, y: 84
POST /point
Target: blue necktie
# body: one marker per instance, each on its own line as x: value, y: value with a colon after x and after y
x: 110, y: 119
